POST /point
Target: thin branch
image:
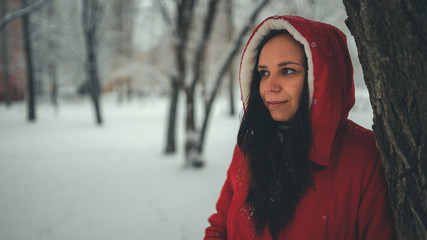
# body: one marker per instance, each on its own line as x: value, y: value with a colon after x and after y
x: 22, y: 12
x: 199, y: 58
x: 166, y: 17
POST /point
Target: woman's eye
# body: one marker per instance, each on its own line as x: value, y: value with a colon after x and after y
x: 287, y: 71
x: 263, y: 73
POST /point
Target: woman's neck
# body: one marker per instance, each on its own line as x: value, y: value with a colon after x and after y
x: 283, y: 126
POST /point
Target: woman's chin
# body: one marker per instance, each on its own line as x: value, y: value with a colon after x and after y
x: 280, y: 117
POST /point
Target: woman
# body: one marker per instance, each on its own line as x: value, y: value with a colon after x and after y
x: 301, y: 169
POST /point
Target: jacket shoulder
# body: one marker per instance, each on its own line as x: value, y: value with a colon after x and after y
x: 355, y: 149
x: 359, y: 139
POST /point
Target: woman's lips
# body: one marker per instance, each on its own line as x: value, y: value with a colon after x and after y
x: 275, y: 104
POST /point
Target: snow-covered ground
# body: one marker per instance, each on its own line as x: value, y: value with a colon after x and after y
x: 63, y: 178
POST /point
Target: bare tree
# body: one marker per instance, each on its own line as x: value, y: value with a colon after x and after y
x: 31, y: 99
x: 391, y: 36
x: 91, y: 15
x: 191, y: 142
x: 181, y: 30
x: 24, y: 13
x: 5, y: 55
x: 194, y: 139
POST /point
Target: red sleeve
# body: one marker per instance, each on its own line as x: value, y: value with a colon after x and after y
x: 218, y: 221
x: 375, y: 219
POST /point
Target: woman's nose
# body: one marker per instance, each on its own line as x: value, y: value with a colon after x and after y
x: 271, y: 84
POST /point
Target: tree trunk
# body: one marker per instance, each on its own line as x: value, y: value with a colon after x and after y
x: 230, y: 30
x: 192, y: 157
x: 170, y: 140
x: 231, y: 82
x: 53, y: 84
x: 391, y: 37
x: 90, y: 16
x: 31, y: 100
x: 5, y: 56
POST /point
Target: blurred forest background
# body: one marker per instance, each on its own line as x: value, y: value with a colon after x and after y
x: 102, y: 103
x: 56, y: 51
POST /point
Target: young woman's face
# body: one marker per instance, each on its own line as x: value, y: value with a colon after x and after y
x: 282, y: 68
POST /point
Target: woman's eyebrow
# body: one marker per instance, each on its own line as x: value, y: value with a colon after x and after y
x: 287, y: 63
x: 281, y: 64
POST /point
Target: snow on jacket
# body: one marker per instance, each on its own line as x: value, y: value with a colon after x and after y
x: 348, y: 199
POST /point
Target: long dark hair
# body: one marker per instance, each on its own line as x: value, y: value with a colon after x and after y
x: 277, y: 155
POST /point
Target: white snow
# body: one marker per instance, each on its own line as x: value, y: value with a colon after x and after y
x: 63, y: 177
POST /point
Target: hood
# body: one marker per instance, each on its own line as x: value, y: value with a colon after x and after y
x: 329, y: 76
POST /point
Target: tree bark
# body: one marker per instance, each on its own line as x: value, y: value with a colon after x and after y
x: 31, y: 99
x: 391, y: 37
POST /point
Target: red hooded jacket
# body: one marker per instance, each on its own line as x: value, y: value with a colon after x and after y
x: 348, y: 199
